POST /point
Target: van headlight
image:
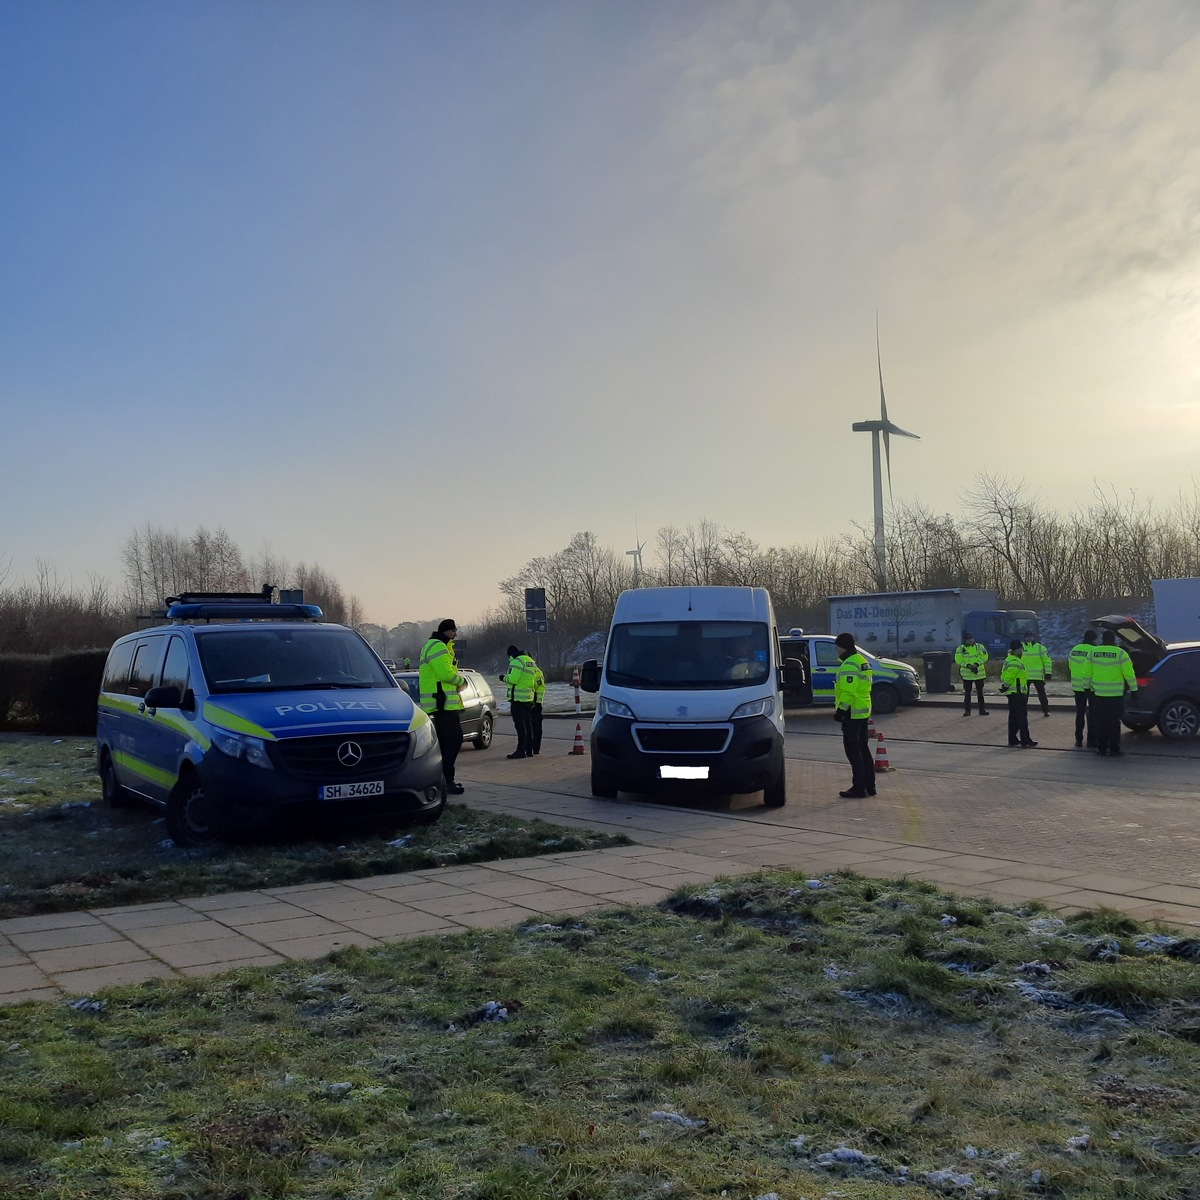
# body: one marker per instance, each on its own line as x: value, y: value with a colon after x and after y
x: 241, y: 745
x: 424, y: 738
x: 755, y: 708
x: 613, y: 708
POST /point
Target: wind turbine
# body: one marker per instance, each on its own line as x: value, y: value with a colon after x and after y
x: 636, y: 555
x: 875, y: 428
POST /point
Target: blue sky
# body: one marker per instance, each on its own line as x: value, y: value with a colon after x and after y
x: 416, y: 290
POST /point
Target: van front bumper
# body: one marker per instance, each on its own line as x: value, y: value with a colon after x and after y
x: 740, y: 756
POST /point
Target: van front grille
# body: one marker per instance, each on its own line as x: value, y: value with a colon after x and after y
x: 682, y: 739
x: 318, y: 757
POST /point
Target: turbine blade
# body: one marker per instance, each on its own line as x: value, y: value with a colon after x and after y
x: 892, y: 427
x: 879, y: 360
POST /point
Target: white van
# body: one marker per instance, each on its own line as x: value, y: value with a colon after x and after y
x: 690, y: 694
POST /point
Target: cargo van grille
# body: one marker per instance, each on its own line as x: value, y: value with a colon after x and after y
x: 682, y: 739
x: 315, y: 757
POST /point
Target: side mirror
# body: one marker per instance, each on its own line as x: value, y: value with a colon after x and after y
x: 589, y: 676
x: 163, y: 697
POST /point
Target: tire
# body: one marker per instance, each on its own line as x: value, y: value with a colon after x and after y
x: 775, y: 793
x: 484, y: 738
x: 1178, y: 719
x: 603, y: 788
x: 115, y: 796
x: 1138, y: 726
x: 884, y: 699
x: 189, y: 819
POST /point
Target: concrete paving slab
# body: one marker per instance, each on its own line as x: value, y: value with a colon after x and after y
x: 158, y: 937
x: 259, y: 914
x: 77, y: 958
x: 73, y: 935
x: 64, y: 920
x: 85, y: 982
x: 220, y: 949
x: 219, y: 968
x: 127, y: 920
x: 34, y: 994
x: 22, y: 978
x: 409, y: 922
x: 270, y: 933
x: 317, y: 946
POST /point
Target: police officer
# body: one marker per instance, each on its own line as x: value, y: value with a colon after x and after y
x: 520, y: 678
x: 539, y: 696
x: 1112, y: 676
x: 852, y: 700
x: 1014, y: 683
x: 440, y: 696
x: 1079, y: 663
x: 972, y: 659
x: 1038, y: 667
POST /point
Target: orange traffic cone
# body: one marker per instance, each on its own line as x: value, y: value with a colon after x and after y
x: 881, y: 755
x: 872, y: 732
x: 577, y: 748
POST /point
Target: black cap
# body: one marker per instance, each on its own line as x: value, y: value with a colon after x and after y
x: 1016, y: 644
x: 1090, y: 636
x: 513, y: 652
x: 845, y: 640
x: 447, y: 626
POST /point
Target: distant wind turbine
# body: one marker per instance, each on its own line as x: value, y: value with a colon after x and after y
x: 875, y: 428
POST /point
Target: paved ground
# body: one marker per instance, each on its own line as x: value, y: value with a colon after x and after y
x: 960, y: 810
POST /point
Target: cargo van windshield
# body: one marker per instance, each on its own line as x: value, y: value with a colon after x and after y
x: 665, y: 655
x: 262, y: 659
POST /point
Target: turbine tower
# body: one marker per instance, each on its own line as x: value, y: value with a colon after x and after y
x: 875, y: 428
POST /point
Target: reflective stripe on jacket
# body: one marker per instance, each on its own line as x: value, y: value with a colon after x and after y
x: 972, y: 660
x: 1013, y: 677
x: 1080, y: 663
x: 852, y: 687
x: 1036, y: 658
x: 539, y: 685
x: 1112, y: 671
x: 439, y: 677
x: 522, y: 673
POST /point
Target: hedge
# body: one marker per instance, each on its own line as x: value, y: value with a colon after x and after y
x: 51, y: 693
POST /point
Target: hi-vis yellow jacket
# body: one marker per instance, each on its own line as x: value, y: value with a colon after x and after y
x: 440, y: 680
x: 1079, y: 661
x: 521, y: 678
x: 1014, y: 679
x: 852, y: 686
x: 1112, y: 671
x: 1036, y: 658
x: 972, y: 660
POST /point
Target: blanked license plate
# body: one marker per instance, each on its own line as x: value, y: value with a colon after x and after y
x: 683, y: 772
x: 351, y: 791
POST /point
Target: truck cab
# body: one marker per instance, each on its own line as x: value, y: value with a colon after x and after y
x: 895, y: 683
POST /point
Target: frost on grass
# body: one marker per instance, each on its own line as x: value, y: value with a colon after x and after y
x: 670, y: 1117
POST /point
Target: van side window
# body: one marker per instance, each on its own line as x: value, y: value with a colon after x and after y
x: 116, y: 669
x: 176, y: 672
x: 146, y: 661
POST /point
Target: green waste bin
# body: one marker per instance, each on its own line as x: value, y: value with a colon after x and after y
x: 937, y: 672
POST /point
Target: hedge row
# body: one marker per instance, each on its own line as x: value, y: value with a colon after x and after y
x: 51, y: 693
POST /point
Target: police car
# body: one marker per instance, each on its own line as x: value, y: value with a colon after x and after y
x: 895, y: 683
x: 242, y: 715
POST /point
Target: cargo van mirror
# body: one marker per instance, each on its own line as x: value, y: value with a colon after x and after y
x: 164, y: 697
x: 589, y: 675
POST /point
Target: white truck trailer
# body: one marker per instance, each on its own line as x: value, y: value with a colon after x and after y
x: 911, y: 624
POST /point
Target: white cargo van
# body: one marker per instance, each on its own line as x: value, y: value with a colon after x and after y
x: 690, y: 694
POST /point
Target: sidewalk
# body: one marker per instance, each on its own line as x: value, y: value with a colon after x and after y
x: 47, y: 957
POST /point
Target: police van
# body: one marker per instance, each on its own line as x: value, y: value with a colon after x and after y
x: 241, y: 715
x: 690, y: 694
x: 893, y: 682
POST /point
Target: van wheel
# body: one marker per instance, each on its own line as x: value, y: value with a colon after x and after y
x: 775, y: 793
x: 884, y: 699
x: 115, y: 796
x: 189, y: 815
x: 430, y: 815
x: 484, y: 739
x: 603, y: 788
x: 1179, y: 719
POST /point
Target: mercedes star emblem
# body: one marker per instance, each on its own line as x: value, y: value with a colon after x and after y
x: 349, y: 754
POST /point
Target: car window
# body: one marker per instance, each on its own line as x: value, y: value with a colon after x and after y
x: 147, y: 659
x: 176, y: 671
x: 116, y: 670
x: 288, y: 659
x: 827, y: 655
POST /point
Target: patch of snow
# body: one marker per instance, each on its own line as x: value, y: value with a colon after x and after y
x: 674, y: 1118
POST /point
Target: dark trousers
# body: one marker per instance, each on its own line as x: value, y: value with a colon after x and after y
x: 1039, y: 685
x: 522, y: 719
x: 535, y: 727
x: 977, y: 684
x: 448, y: 727
x: 1106, y: 719
x: 1083, y: 719
x: 858, y: 754
x: 1018, y: 719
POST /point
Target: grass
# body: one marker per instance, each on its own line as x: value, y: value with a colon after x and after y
x: 63, y: 849
x: 764, y: 1036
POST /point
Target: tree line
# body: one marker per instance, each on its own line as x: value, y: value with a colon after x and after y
x: 1005, y: 538
x: 47, y: 615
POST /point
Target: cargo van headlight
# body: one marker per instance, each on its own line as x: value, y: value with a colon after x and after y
x: 423, y: 738
x: 755, y: 708
x: 241, y: 745
x: 614, y: 708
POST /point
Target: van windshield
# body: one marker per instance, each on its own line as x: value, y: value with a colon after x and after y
x: 663, y: 655
x: 262, y: 659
